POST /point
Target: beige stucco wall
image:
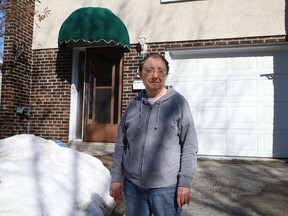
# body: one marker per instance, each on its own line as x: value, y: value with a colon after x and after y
x: 189, y: 20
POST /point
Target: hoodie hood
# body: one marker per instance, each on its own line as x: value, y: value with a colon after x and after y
x: 144, y: 101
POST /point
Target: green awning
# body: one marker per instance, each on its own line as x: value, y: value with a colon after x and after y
x: 93, y: 25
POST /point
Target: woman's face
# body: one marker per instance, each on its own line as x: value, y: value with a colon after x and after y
x: 154, y: 74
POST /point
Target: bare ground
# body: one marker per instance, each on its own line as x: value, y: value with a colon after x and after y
x: 233, y: 187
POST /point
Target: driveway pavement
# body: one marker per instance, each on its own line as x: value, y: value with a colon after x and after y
x: 234, y: 187
x: 239, y: 187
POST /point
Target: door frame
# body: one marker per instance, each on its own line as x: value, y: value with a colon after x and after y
x: 73, y: 122
x: 103, y: 132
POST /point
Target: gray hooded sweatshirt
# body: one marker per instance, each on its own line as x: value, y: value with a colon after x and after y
x: 156, y: 144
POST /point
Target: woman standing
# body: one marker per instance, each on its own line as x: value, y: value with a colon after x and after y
x: 155, y: 154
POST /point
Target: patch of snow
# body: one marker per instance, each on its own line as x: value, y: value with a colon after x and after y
x: 38, y: 177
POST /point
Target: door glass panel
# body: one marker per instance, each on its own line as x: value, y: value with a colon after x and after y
x: 102, y: 114
x: 104, y: 74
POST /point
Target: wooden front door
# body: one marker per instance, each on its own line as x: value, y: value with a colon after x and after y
x: 103, y: 88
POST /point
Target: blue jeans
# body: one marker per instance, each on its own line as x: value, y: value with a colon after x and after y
x: 145, y: 202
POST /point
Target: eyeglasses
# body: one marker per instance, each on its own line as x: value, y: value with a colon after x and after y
x: 161, y: 72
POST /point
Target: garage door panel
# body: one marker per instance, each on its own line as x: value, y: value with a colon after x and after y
x: 244, y: 88
x: 212, y: 143
x: 187, y: 89
x: 257, y: 143
x: 243, y: 65
x: 214, y: 88
x: 235, y: 143
x: 268, y: 88
x: 266, y: 146
x: 243, y: 114
x: 211, y: 66
x: 266, y: 63
x: 185, y: 67
x: 214, y: 114
x: 268, y: 114
x: 222, y: 86
x: 199, y: 67
x: 242, y: 144
x: 239, y: 101
x: 212, y: 117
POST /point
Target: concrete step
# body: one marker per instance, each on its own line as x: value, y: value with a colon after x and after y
x: 92, y: 148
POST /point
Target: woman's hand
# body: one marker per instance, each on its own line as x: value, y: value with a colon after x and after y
x: 183, y: 196
x: 116, y: 190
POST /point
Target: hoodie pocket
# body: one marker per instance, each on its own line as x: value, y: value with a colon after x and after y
x: 131, y: 162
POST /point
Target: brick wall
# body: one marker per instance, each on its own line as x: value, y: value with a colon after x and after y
x: 50, y: 93
x: 16, y: 77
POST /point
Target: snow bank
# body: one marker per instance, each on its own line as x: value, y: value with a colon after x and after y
x: 38, y: 177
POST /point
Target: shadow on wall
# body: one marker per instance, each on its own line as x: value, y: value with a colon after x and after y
x: 286, y: 18
x: 280, y: 145
x: 280, y: 127
x: 64, y: 65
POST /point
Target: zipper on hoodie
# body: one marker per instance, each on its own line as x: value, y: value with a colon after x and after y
x: 143, y: 148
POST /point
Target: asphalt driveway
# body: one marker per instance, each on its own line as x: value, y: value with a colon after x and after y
x: 234, y: 187
x: 239, y: 187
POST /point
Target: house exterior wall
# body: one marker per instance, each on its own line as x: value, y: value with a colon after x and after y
x: 43, y: 81
x: 181, y: 25
x: 180, y: 21
x: 51, y: 78
x: 16, y: 70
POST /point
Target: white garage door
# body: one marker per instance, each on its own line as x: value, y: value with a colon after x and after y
x: 238, y: 97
